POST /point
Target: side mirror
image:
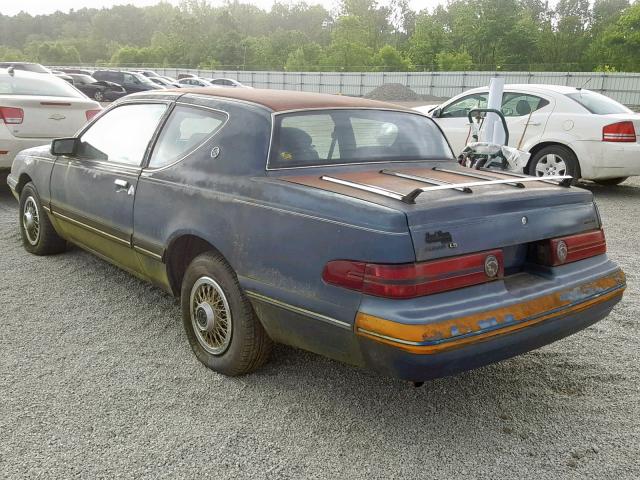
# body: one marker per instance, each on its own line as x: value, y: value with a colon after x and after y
x: 435, y: 113
x: 64, y: 146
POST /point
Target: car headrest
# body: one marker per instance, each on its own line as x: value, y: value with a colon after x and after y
x: 523, y: 107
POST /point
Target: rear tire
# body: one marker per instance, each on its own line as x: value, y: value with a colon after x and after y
x: 554, y: 160
x: 98, y: 96
x: 222, y: 328
x: 38, y: 235
x: 611, y: 181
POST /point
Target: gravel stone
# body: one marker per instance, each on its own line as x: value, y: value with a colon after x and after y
x: 97, y: 381
x: 396, y: 92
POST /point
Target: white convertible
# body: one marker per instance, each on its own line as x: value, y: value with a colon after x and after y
x: 567, y: 130
x: 35, y: 108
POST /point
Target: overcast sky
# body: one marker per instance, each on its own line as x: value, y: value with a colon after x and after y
x: 35, y: 7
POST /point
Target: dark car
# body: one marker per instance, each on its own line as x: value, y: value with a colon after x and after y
x: 99, y: 90
x: 340, y: 225
x: 132, y: 82
x: 27, y: 66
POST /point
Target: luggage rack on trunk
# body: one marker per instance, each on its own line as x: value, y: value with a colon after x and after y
x: 438, y: 184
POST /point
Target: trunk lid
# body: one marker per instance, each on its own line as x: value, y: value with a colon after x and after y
x: 452, y: 222
x: 48, y: 117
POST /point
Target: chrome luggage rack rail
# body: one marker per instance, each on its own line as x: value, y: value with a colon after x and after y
x: 437, y: 184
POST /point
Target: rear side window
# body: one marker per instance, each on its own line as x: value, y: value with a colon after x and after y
x: 520, y: 104
x: 597, y: 104
x: 186, y: 129
x: 44, y: 85
x: 329, y: 137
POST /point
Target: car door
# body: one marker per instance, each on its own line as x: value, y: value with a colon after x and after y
x: 526, y: 115
x: 454, y: 122
x: 93, y: 191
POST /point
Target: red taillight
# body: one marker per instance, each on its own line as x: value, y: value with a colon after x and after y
x: 415, y: 279
x: 619, y: 132
x: 11, y: 115
x: 91, y: 113
x: 559, y: 251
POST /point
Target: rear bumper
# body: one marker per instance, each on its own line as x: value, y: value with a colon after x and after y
x: 600, y: 160
x: 413, y: 367
x: 468, y: 338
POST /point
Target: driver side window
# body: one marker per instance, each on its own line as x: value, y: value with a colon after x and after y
x: 130, y: 79
x: 122, y: 135
x: 461, y: 107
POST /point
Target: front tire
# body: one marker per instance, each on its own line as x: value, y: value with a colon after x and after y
x: 611, y: 181
x: 222, y: 328
x: 554, y: 160
x: 38, y: 235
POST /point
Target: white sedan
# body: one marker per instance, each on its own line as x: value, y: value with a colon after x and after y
x: 36, y: 108
x: 567, y: 130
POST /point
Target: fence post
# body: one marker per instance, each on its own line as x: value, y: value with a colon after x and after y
x: 319, y: 82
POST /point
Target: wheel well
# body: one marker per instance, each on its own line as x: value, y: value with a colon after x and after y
x: 536, y: 148
x: 22, y: 181
x: 179, y: 255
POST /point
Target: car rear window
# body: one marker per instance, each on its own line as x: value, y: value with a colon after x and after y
x: 597, y: 103
x: 45, y: 85
x: 329, y: 137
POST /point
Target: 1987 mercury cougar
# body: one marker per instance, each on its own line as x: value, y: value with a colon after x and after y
x: 338, y: 225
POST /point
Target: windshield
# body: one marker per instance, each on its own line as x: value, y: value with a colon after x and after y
x: 43, y: 85
x: 597, y: 103
x: 329, y: 137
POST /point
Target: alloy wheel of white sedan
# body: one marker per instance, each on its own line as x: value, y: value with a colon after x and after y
x: 551, y: 164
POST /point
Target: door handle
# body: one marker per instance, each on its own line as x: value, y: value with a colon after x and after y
x: 535, y: 124
x: 121, y: 184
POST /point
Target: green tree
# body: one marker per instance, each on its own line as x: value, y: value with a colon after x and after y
x: 454, y: 61
x: 388, y: 59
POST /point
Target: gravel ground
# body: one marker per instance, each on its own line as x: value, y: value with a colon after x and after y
x: 97, y: 381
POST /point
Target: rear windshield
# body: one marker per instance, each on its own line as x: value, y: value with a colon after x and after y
x: 329, y: 137
x: 44, y: 85
x: 597, y: 103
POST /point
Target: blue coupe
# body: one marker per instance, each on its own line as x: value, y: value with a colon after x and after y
x: 338, y: 225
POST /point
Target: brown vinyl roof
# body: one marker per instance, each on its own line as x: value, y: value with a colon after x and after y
x: 279, y: 100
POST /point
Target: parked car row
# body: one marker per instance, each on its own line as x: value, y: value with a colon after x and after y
x: 109, y: 84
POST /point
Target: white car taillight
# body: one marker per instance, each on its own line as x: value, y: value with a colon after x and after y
x: 11, y: 115
x: 91, y: 113
x: 619, y: 132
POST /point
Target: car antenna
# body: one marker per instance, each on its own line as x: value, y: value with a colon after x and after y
x: 584, y: 84
x: 11, y: 71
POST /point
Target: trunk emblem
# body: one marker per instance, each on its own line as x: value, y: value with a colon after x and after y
x: 562, y: 251
x: 56, y: 116
x: 525, y: 220
x: 491, y: 266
